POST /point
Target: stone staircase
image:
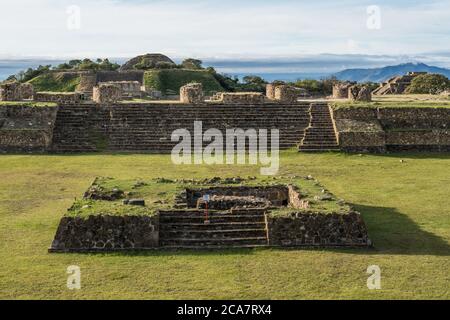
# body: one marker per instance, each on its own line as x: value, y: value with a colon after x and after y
x: 148, y: 127
x: 320, y: 135
x: 188, y: 230
x: 77, y: 129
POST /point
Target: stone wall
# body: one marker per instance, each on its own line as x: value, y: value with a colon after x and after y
x: 26, y: 91
x: 107, y: 93
x: 340, y: 90
x: 130, y: 89
x: 286, y: 94
x: 218, y: 202
x: 414, y: 118
x: 88, y: 80
x: 106, y: 233
x: 360, y: 136
x: 110, y: 76
x: 317, y: 229
x: 359, y: 93
x: 87, y: 83
x: 270, y: 91
x: 418, y: 140
x: 15, y: 91
x: 26, y: 129
x: 60, y: 98
x: 192, y: 93
x: 249, y: 98
x: 393, y: 129
x: 277, y: 195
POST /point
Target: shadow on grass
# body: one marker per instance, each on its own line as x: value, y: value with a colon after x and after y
x: 395, y: 233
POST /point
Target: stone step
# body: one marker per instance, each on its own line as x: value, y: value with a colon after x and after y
x: 212, y: 234
x: 213, y: 241
x: 213, y: 247
x: 213, y: 220
x: 213, y: 226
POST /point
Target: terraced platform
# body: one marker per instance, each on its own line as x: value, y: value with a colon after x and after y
x: 148, y: 127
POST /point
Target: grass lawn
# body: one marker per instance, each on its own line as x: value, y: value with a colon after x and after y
x: 28, y: 104
x: 405, y: 204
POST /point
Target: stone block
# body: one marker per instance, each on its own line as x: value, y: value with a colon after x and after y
x: 286, y: 94
x: 340, y: 90
x: 10, y: 91
x: 107, y: 93
x: 26, y: 91
x: 61, y: 97
x: 270, y: 91
x: 360, y: 93
x: 192, y: 93
x: 242, y: 98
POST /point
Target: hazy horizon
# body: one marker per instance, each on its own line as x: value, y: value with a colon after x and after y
x: 288, y: 69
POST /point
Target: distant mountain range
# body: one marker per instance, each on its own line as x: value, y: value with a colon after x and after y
x: 383, y: 74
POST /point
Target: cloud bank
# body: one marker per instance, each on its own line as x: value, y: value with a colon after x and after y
x: 217, y: 30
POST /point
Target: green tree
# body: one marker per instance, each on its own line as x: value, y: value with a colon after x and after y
x: 192, y: 64
x: 254, y: 80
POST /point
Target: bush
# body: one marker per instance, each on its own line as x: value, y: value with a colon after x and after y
x: 429, y: 84
x: 192, y: 64
x: 317, y: 87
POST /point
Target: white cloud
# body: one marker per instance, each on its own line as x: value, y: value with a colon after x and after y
x: 208, y: 28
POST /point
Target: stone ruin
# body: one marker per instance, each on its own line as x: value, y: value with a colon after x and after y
x: 239, y: 98
x: 397, y: 85
x: 237, y: 215
x: 360, y: 93
x: 284, y: 93
x: 26, y: 91
x: 130, y: 89
x: 340, y: 90
x: 107, y: 93
x: 226, y: 198
x: 270, y: 91
x: 15, y: 91
x: 59, y: 97
x: 192, y: 93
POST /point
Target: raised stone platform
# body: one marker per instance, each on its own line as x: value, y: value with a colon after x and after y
x: 294, y: 212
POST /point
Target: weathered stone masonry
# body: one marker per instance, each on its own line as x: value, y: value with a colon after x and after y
x: 239, y: 216
x: 106, y: 233
x: 60, y: 98
x: 15, y: 91
x: 318, y: 229
x: 26, y: 129
x: 393, y: 129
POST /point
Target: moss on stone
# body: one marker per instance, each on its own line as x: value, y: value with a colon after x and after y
x: 160, y: 194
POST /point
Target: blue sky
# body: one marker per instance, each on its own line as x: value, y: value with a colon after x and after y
x: 251, y: 29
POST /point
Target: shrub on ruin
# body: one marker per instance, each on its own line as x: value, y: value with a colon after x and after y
x: 429, y: 84
x: 192, y: 64
x: 317, y: 87
x: 165, y: 65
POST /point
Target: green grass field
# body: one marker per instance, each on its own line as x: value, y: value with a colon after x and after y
x: 405, y: 204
